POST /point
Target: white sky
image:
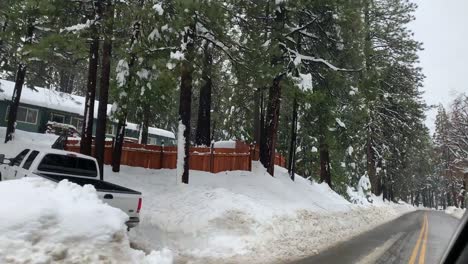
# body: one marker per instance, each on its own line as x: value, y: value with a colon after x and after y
x: 442, y: 26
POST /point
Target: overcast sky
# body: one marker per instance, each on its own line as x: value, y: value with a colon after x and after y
x: 442, y: 25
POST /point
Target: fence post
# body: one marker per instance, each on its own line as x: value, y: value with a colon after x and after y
x: 252, y: 153
x: 212, y: 157
x: 161, y: 155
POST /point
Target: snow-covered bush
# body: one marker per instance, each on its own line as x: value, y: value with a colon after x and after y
x: 362, y: 193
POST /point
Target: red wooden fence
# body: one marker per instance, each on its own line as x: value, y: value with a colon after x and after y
x: 201, y: 158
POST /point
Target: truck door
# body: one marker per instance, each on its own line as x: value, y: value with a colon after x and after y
x: 23, y: 171
x: 12, y: 169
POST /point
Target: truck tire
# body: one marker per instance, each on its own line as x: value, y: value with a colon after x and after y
x: 0, y: 176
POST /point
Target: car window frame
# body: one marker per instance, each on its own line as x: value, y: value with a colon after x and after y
x: 19, y: 157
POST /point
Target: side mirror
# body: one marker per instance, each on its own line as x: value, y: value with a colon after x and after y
x: 2, y: 158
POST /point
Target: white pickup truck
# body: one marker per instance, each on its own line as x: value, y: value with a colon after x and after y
x: 57, y: 165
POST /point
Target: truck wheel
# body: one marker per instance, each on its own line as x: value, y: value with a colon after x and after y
x: 0, y: 177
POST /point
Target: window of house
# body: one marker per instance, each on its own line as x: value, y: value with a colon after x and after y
x: 57, y: 118
x: 110, y: 129
x: 77, y: 122
x: 24, y: 115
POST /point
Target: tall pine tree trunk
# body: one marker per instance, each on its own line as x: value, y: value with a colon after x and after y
x: 120, y: 136
x: 145, y: 124
x: 202, y: 136
x: 262, y: 132
x: 15, y: 100
x: 185, y: 107
x: 118, y: 144
x: 271, y: 124
x: 19, y: 82
x: 292, y: 143
x: 104, y: 88
x: 325, y: 173
x: 257, y: 101
x: 87, y: 129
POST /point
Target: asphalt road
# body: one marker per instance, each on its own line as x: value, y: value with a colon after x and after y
x: 403, y: 240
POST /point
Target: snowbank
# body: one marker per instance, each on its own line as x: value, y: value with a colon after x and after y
x: 454, y: 211
x: 22, y: 140
x: 244, y: 217
x: 44, y: 222
x: 233, y: 217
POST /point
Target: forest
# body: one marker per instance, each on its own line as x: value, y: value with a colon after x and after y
x: 333, y: 85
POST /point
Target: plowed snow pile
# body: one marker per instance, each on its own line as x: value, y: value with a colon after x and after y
x: 245, y: 217
x: 228, y: 217
x: 44, y: 222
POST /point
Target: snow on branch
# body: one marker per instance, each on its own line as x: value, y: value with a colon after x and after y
x: 300, y: 57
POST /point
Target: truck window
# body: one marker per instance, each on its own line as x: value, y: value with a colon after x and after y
x: 30, y: 159
x: 16, y: 161
x: 72, y: 165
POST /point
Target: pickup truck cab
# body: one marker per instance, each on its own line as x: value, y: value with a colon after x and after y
x: 57, y: 165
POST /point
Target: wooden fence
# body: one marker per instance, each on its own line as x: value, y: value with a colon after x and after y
x: 201, y: 158
x: 255, y: 155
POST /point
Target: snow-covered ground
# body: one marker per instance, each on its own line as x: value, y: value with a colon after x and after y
x: 44, y: 222
x: 237, y: 217
x: 244, y: 216
x: 454, y: 211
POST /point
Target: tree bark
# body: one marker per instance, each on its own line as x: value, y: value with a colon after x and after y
x: 292, y: 144
x: 262, y: 139
x: 145, y: 125
x: 325, y: 173
x: 19, y: 82
x: 271, y: 124
x: 88, y: 122
x: 15, y: 100
x: 202, y: 136
x: 257, y: 106
x: 185, y: 102
x: 118, y: 145
x: 120, y: 137
x: 104, y: 89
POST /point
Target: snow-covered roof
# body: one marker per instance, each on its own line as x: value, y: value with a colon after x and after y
x: 48, y: 98
x: 153, y: 130
x: 64, y: 102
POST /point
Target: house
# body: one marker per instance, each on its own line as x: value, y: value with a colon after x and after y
x: 39, y: 106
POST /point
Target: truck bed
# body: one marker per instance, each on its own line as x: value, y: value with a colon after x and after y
x: 101, y: 186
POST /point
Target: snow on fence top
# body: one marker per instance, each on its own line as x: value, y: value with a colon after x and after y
x: 64, y: 102
x: 225, y: 144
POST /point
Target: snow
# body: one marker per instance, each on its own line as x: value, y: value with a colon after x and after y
x: 362, y: 195
x: 22, y: 140
x: 180, y: 152
x: 353, y: 91
x: 159, y: 9
x: 69, y: 103
x: 235, y: 217
x: 178, y: 55
x: 122, y: 72
x: 153, y: 130
x: 305, y: 82
x: 245, y: 217
x: 454, y: 211
x: 340, y: 123
x: 48, y: 222
x: 154, y: 35
x: 78, y: 27
x: 314, y: 149
x: 350, y: 150
x: 49, y: 98
x: 225, y: 144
